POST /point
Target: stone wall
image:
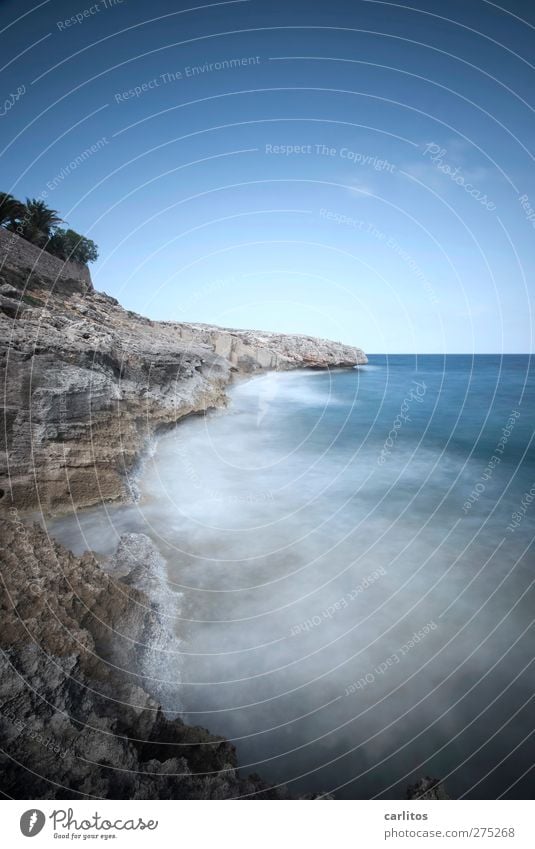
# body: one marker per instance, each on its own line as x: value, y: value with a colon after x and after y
x: 34, y: 267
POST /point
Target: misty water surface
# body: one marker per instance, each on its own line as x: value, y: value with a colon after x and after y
x: 310, y: 531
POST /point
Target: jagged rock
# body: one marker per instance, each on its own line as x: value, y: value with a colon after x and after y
x: 75, y: 717
x: 427, y: 788
x: 9, y: 291
x: 87, y: 383
x: 11, y: 307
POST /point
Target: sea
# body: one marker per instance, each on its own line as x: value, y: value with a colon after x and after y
x: 350, y: 559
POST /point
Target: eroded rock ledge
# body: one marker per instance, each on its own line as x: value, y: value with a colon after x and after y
x: 76, y: 718
x: 86, y: 382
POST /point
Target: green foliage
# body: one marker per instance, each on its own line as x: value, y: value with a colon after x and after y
x: 37, y: 223
x: 11, y: 209
x: 69, y: 245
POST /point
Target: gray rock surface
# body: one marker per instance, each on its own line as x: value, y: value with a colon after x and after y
x: 76, y: 718
x: 427, y: 789
x: 86, y: 383
x: 88, y: 653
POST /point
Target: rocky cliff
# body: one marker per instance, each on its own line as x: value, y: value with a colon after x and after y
x: 76, y: 716
x: 87, y: 382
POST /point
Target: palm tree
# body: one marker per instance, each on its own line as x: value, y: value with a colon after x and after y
x: 38, y: 221
x: 11, y: 209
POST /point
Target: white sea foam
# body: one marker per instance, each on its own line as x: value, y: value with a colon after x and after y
x: 278, y: 511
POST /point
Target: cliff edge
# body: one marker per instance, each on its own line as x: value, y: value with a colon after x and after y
x: 86, y: 382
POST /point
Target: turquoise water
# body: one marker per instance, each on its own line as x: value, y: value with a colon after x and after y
x: 312, y: 530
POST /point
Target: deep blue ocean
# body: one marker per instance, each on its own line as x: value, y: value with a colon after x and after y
x: 350, y: 558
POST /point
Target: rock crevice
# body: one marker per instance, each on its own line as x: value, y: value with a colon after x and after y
x: 76, y: 716
x: 86, y: 382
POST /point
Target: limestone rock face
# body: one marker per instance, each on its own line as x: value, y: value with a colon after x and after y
x: 86, y: 383
x: 251, y: 350
x: 75, y: 716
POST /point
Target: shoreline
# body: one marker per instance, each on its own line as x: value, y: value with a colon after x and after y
x: 134, y: 474
x: 100, y: 381
x: 89, y: 385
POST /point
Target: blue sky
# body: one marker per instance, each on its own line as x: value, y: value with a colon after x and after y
x: 359, y: 170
